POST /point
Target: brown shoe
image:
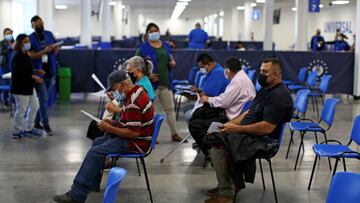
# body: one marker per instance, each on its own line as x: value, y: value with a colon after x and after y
x: 212, y: 192
x: 176, y: 138
x: 219, y: 199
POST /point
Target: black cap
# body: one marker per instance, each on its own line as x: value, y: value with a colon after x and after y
x: 115, y: 77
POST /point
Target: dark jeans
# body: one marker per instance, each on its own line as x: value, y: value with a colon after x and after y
x: 43, y: 90
x: 89, y: 175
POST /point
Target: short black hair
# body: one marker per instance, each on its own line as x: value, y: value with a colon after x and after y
x: 275, y: 63
x: 35, y: 18
x: 204, y: 58
x: 7, y: 29
x: 150, y: 25
x: 233, y: 64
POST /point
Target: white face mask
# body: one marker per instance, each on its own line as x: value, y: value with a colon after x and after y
x: 27, y: 46
x: 226, y: 73
x: 203, y: 70
x: 154, y: 36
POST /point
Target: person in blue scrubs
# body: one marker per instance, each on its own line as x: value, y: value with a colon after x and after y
x: 198, y: 38
x: 43, y: 54
x: 318, y: 42
x: 340, y: 44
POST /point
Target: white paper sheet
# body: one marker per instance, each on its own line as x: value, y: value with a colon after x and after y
x: 91, y: 116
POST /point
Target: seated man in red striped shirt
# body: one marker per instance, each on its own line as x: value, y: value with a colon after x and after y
x: 136, y: 120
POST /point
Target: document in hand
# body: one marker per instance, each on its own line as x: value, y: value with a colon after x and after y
x: 215, y: 127
x: 91, y: 116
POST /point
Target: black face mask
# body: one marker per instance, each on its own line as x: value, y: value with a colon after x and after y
x: 262, y: 80
x: 39, y: 30
x: 132, y: 77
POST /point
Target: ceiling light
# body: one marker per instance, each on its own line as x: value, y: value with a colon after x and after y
x: 215, y: 15
x: 293, y: 8
x: 122, y: 6
x: 112, y: 3
x: 185, y: 0
x: 339, y: 2
x: 182, y: 3
x: 240, y: 8
x: 221, y: 13
x: 260, y: 1
x: 61, y: 7
x: 321, y: 5
x: 177, y: 11
x: 253, y: 4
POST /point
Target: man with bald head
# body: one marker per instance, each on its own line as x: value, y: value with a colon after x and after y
x: 251, y: 133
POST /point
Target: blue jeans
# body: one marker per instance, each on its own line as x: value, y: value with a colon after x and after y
x: 89, y: 175
x: 42, y: 90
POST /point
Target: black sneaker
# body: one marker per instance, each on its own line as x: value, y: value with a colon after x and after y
x: 38, y: 126
x: 17, y: 135
x: 48, y: 131
x: 64, y: 198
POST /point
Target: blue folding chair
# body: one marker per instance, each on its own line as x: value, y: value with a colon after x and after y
x: 258, y: 87
x: 321, y: 91
x: 178, y: 84
x: 301, y: 77
x: 268, y: 158
x: 310, y: 82
x: 158, y: 119
x: 327, y: 117
x: 4, y: 88
x: 344, y: 188
x: 337, y: 151
x: 104, y: 45
x: 116, y: 175
x: 251, y: 74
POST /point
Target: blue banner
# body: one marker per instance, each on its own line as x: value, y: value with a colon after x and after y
x: 314, y: 6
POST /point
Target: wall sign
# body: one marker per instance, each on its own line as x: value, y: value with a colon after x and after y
x: 314, y: 6
x: 344, y: 26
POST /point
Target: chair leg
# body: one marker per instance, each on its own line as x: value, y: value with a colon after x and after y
x: 312, y: 172
x: 273, y: 181
x: 146, y: 178
x: 235, y: 195
x: 344, y: 164
x: 298, y: 154
x: 262, y: 174
x: 316, y: 138
x: 291, y: 140
x: 178, y: 107
x: 326, y: 143
x: 138, y: 168
x: 316, y: 107
x: 205, y: 162
x: 335, y: 167
x: 313, y: 104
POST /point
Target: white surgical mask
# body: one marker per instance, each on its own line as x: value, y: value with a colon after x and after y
x: 203, y: 70
x: 27, y: 46
x: 9, y: 37
x: 226, y: 73
x: 154, y: 36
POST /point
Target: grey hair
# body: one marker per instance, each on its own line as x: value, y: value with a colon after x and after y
x: 141, y: 64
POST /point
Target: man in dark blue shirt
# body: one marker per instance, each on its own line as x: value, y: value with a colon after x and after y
x: 43, y: 54
x: 318, y: 42
x: 198, y: 38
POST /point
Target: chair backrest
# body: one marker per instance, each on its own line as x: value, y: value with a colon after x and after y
x: 202, y: 81
x: 324, y: 83
x: 258, y: 87
x: 158, y: 119
x: 328, y: 112
x: 311, y: 79
x: 247, y: 106
x: 251, y: 74
x: 301, y: 100
x: 116, y: 175
x: 355, y: 132
x: 197, y: 77
x: 302, y: 74
x: 192, y: 74
x: 344, y: 188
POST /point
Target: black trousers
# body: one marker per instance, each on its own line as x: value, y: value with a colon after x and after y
x: 201, y: 121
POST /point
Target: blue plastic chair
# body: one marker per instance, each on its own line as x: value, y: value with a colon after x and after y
x: 258, y: 87
x: 104, y: 45
x: 268, y: 158
x: 327, y: 117
x: 337, y: 151
x: 191, y: 78
x: 4, y: 88
x: 251, y: 74
x: 301, y: 77
x: 300, y: 104
x: 321, y: 91
x: 115, y: 177
x: 158, y: 119
x: 310, y: 82
x: 344, y: 188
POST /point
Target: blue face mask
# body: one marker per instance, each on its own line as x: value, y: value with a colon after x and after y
x: 27, y: 46
x: 9, y: 37
x: 118, y: 96
x: 154, y: 36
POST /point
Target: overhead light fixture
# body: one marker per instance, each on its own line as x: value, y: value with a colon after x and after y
x: 215, y: 15
x: 260, y: 1
x: 185, y: 0
x: 112, y: 3
x: 321, y: 5
x: 293, y: 8
x: 122, y: 6
x: 177, y: 11
x: 221, y: 13
x: 339, y: 2
x: 61, y: 7
x: 182, y: 3
x: 253, y: 4
x: 240, y: 8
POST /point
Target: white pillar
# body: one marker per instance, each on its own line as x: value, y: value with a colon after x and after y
x: 357, y: 52
x: 268, y: 25
x: 85, y: 23
x: 235, y: 24
x: 118, y: 20
x: 45, y: 10
x: 231, y: 28
x: 247, y: 21
x: 105, y: 21
x: 301, y: 25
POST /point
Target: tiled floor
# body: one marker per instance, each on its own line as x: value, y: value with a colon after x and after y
x: 32, y: 170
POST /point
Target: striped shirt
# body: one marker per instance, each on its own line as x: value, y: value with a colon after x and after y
x: 138, y: 115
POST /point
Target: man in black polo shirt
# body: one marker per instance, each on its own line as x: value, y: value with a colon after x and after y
x: 250, y: 133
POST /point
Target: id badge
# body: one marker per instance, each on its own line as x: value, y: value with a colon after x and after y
x: 44, y: 58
